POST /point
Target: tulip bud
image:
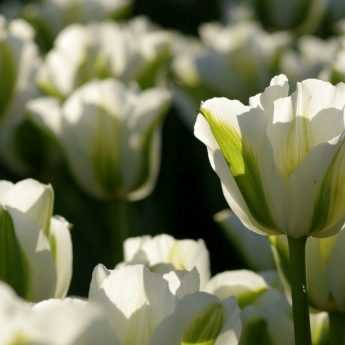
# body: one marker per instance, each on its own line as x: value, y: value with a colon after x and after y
x: 111, y: 138
x: 35, y: 247
x: 19, y: 63
x: 280, y: 158
x: 63, y: 322
x: 181, y: 254
x: 201, y: 318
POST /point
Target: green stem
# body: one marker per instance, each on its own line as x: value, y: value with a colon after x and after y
x: 119, y: 229
x: 300, y: 307
x: 337, y: 328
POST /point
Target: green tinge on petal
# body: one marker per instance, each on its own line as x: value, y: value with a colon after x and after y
x: 148, y: 75
x: 49, y: 89
x: 297, y: 146
x: 93, y: 66
x: 243, y: 166
x: 176, y: 257
x: 255, y: 332
x: 8, y: 77
x: 13, y: 265
x: 205, y: 327
x: 105, y: 153
x: 330, y: 203
x: 20, y: 339
x: 247, y: 298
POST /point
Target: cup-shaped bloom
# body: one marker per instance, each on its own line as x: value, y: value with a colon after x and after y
x: 201, y: 318
x: 82, y: 53
x: 325, y: 280
x: 35, y: 247
x: 135, y: 299
x: 111, y: 137
x: 280, y: 159
x: 254, y: 249
x: 234, y: 61
x: 19, y: 64
x: 164, y: 249
x: 52, y: 322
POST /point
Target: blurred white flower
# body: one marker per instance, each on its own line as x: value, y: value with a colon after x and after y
x: 254, y: 249
x: 19, y: 64
x: 325, y: 281
x: 201, y: 318
x: 51, y: 16
x: 135, y: 299
x: 110, y: 135
x: 135, y: 51
x: 52, y: 322
x: 280, y: 159
x: 35, y: 247
x: 235, y: 61
x: 164, y: 249
x: 311, y: 59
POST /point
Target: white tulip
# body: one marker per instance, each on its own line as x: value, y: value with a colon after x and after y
x: 280, y: 159
x: 201, y: 318
x: 254, y: 248
x: 52, y: 322
x: 312, y: 57
x: 268, y: 321
x: 325, y: 281
x: 51, y: 16
x: 181, y: 254
x: 35, y: 247
x: 19, y: 64
x: 82, y: 53
x: 111, y: 137
x: 265, y: 313
x: 136, y: 300
x: 244, y: 285
x: 234, y: 61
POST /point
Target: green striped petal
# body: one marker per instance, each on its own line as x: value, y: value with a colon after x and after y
x: 205, y: 327
x: 243, y: 165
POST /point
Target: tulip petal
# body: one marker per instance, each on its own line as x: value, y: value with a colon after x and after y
x: 232, y: 124
x: 62, y: 251
x: 34, y: 199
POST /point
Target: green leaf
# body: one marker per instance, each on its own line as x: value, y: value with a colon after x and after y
x: 13, y: 265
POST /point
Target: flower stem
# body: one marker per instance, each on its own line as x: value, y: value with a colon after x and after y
x: 300, y: 307
x: 118, y: 229
x: 337, y: 328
